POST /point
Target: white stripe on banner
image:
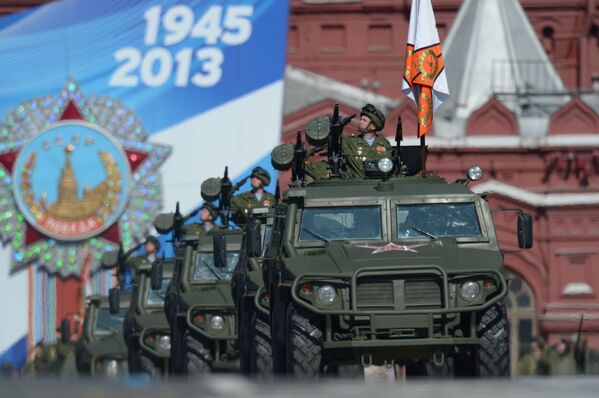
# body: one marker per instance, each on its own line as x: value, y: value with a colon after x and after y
x: 247, y: 132
x: 13, y: 311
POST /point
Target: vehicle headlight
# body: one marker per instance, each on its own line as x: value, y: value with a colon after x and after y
x: 469, y: 290
x: 164, y: 343
x: 385, y: 165
x: 475, y: 173
x: 217, y: 322
x: 111, y: 368
x: 327, y: 294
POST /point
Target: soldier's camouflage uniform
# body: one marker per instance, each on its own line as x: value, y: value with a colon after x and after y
x: 356, y: 150
x: 199, y: 229
x: 242, y: 203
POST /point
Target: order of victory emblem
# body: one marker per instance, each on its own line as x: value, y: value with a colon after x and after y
x: 76, y: 179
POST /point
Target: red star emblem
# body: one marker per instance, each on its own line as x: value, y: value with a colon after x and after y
x: 393, y: 247
x: 135, y: 158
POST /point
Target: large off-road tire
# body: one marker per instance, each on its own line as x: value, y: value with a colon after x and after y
x: 260, y: 347
x: 197, y: 358
x: 148, y: 366
x: 304, y: 344
x: 494, y: 349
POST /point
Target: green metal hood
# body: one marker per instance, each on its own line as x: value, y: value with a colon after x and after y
x: 155, y: 320
x: 216, y: 294
x: 346, y: 258
x: 108, y: 346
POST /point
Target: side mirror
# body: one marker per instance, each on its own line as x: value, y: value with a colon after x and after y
x: 65, y: 331
x: 220, y: 250
x: 525, y: 231
x: 156, y: 275
x: 164, y: 222
x: 114, y: 300
x: 110, y: 259
x: 253, y: 241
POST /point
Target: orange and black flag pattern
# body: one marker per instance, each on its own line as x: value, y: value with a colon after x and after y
x: 422, y: 68
x: 424, y: 78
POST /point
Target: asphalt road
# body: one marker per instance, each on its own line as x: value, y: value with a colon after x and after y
x: 236, y: 386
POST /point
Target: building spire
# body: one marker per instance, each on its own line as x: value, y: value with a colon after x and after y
x: 492, y: 49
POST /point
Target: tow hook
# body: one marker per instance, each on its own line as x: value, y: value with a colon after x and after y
x: 365, y: 358
x: 439, y: 358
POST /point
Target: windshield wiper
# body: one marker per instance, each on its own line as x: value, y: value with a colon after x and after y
x: 315, y: 234
x: 108, y: 328
x: 211, y: 270
x: 423, y: 232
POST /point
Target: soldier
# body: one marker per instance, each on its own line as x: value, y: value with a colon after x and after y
x: 563, y: 362
x: 208, y: 215
x: 257, y: 197
x: 151, y: 246
x: 368, y: 145
x: 535, y: 363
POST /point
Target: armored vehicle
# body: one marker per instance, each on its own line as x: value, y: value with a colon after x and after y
x: 146, y: 330
x: 403, y: 267
x: 198, y: 303
x: 102, y: 349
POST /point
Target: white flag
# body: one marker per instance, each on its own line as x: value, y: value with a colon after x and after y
x: 424, y: 79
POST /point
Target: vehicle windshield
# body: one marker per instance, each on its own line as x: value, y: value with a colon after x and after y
x: 206, y: 271
x: 340, y: 223
x: 442, y: 220
x: 110, y: 323
x: 156, y: 297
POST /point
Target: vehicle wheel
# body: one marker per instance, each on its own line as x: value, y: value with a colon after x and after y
x: 304, y: 350
x: 196, y: 355
x: 494, y: 349
x: 148, y: 366
x: 260, y: 347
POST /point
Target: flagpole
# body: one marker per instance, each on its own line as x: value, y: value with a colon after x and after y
x: 423, y: 155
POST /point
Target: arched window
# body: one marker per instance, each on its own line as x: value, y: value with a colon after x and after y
x: 521, y: 315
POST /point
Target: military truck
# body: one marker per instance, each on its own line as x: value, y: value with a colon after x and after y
x: 146, y: 330
x: 198, y: 303
x: 199, y: 307
x: 102, y: 351
x: 402, y: 267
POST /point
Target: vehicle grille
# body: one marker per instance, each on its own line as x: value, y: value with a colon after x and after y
x: 416, y: 294
x: 375, y: 294
x: 422, y: 294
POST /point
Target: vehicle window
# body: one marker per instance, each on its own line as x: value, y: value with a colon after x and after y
x: 267, y: 237
x: 443, y: 220
x: 110, y: 323
x: 206, y: 271
x: 340, y: 223
x: 156, y: 297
